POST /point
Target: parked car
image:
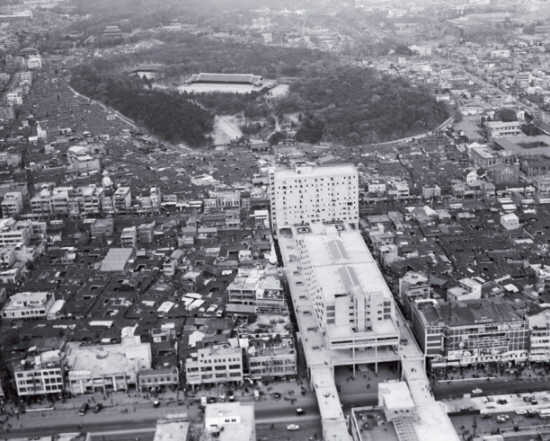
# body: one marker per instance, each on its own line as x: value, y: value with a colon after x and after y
x: 83, y: 409
x: 98, y: 407
x: 293, y: 427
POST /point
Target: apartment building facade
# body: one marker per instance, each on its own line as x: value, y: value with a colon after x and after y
x: 314, y: 194
x: 39, y: 374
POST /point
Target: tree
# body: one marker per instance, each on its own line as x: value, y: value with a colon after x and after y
x: 505, y: 114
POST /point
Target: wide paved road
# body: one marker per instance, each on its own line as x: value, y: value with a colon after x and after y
x: 268, y: 412
x: 492, y: 387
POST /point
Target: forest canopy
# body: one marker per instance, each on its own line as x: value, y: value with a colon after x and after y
x: 358, y: 106
x: 170, y: 116
x: 337, y: 102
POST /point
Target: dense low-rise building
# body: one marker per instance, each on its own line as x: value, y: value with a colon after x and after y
x: 156, y: 379
x: 214, y: 364
x: 256, y: 291
x: 267, y: 361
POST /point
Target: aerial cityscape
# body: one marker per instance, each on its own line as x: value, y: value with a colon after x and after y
x: 260, y: 220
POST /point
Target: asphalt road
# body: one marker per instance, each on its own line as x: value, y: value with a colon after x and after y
x: 268, y: 412
x: 492, y: 387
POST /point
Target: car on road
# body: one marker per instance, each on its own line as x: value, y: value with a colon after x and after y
x: 486, y: 416
x: 156, y: 403
x: 477, y: 391
x: 502, y: 418
x: 300, y: 411
x: 83, y: 409
x: 293, y: 427
x: 98, y: 407
x: 277, y: 395
x: 521, y: 411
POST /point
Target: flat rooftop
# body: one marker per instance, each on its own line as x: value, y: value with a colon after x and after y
x: 316, y: 171
x: 172, y: 428
x: 473, y: 312
x: 243, y: 430
x: 396, y: 395
x: 525, y: 145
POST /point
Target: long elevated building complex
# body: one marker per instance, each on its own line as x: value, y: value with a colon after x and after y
x: 352, y: 302
x: 345, y: 311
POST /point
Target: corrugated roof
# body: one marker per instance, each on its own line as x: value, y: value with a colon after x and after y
x: 116, y: 259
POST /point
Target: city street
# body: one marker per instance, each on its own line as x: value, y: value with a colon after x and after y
x: 491, y: 387
x: 144, y: 417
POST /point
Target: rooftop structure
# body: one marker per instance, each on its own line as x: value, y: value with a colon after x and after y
x: 229, y: 422
x: 225, y: 78
x: 525, y: 145
x: 172, y: 427
x: 469, y: 332
x: 116, y: 259
x: 28, y: 305
x: 257, y: 288
x: 110, y: 367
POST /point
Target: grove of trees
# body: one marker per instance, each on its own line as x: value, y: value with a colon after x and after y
x: 171, y: 116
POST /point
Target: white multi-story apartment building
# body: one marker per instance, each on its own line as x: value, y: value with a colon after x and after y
x: 12, y: 204
x: 34, y: 62
x: 28, y: 305
x: 122, y: 199
x: 39, y: 375
x: 215, y: 364
x: 14, y: 233
x: 128, y: 238
x: 15, y: 97
x: 498, y: 129
x: 314, y: 194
